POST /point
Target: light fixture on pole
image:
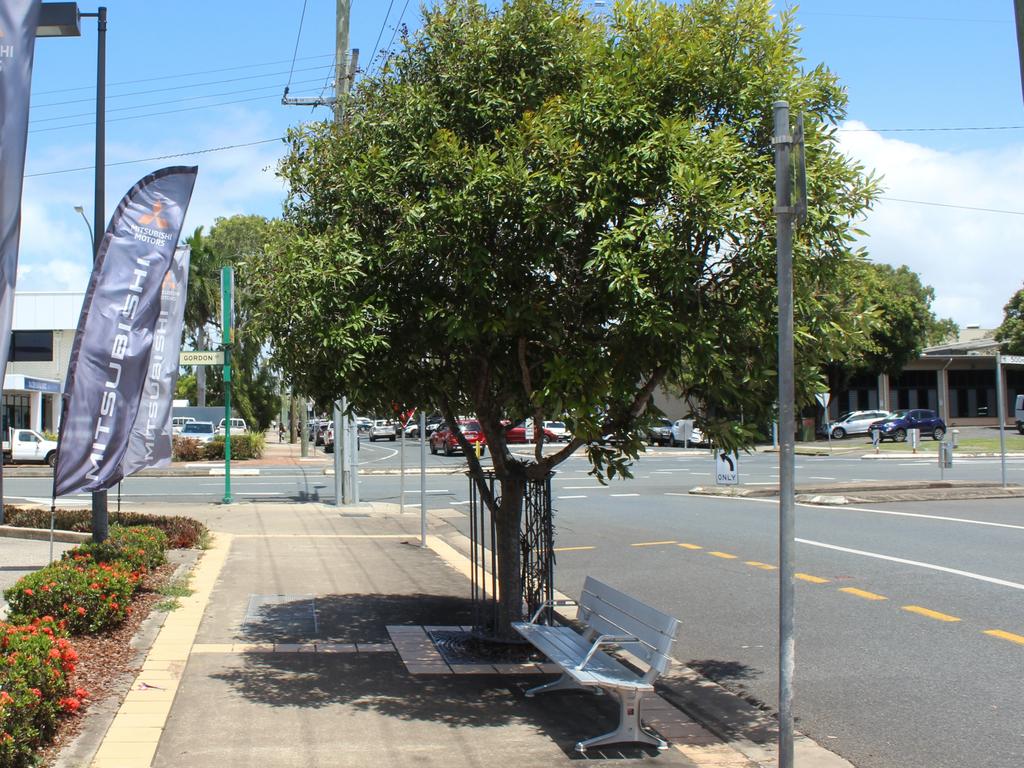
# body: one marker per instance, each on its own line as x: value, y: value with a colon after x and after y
x: 81, y: 211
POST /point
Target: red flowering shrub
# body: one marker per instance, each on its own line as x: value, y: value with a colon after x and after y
x: 87, y: 596
x: 36, y: 661
x: 140, y: 547
x: 182, y: 532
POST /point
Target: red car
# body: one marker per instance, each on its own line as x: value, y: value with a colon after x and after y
x: 443, y: 439
x: 518, y: 435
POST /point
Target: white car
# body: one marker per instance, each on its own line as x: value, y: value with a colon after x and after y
x: 199, y: 430
x: 238, y: 427
x: 685, y: 432
x: 558, y: 429
x: 383, y: 429
x: 855, y: 423
x: 177, y: 422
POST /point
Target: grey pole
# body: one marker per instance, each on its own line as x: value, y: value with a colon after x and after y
x: 401, y: 479
x: 423, y: 478
x: 353, y: 453
x: 1001, y: 412
x: 339, y: 452
x: 787, y: 420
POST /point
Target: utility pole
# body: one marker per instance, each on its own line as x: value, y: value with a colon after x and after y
x: 784, y: 215
x: 1018, y: 7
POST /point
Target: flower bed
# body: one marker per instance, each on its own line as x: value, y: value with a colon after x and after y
x: 182, y: 532
x: 36, y: 664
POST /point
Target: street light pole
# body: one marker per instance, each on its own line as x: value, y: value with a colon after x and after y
x: 92, y: 240
x: 99, y: 498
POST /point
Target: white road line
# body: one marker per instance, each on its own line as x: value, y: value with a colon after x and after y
x: 47, y: 500
x: 259, y: 493
x: 672, y: 493
x: 394, y: 452
x: 620, y: 495
x: 917, y: 563
x: 813, y: 477
x: 572, y: 497
x: 455, y: 503
x: 439, y: 491
x: 935, y: 517
x: 585, y: 488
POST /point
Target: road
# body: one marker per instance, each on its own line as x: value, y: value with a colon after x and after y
x: 910, y: 633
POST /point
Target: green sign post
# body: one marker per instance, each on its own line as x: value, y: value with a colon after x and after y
x: 227, y: 286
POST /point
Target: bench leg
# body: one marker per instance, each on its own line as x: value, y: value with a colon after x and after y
x: 564, y: 683
x: 629, y: 730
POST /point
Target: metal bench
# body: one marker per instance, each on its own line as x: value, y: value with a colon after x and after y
x: 610, y: 618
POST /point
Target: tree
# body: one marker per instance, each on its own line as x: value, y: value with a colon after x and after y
x: 531, y: 213
x: 1010, y: 333
x: 255, y: 388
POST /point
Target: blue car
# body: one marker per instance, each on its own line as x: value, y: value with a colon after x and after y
x: 895, y: 427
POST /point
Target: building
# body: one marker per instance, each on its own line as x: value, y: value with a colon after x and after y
x: 957, y: 379
x: 43, y: 333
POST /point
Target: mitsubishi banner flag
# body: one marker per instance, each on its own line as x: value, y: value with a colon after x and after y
x: 18, y: 21
x: 150, y: 440
x: 110, y: 358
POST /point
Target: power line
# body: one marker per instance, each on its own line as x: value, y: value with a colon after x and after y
x: 904, y: 18
x: 935, y: 129
x: 159, y: 157
x: 380, y: 34
x: 394, y: 32
x: 950, y: 205
x: 183, y: 74
x: 298, y: 36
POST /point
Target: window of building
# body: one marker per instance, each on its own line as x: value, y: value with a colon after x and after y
x: 17, y: 412
x: 31, y: 346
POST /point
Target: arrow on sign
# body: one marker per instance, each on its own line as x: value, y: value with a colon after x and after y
x: 728, y: 460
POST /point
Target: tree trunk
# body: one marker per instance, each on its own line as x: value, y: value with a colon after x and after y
x: 508, y: 521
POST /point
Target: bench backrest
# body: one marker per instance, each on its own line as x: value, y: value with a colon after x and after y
x: 606, y: 611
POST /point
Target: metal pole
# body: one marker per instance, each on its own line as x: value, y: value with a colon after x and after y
x: 353, y: 453
x: 401, y: 480
x: 1001, y: 413
x: 339, y: 456
x: 227, y: 284
x: 100, y: 529
x: 423, y: 478
x: 787, y: 420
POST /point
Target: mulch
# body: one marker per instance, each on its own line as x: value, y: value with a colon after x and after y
x: 104, y: 658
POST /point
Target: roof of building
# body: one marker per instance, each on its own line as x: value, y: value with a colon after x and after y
x: 971, y: 340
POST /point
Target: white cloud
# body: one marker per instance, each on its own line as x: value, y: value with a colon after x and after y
x: 971, y: 258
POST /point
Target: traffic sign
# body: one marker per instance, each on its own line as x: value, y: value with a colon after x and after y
x: 1012, y: 359
x: 202, y: 357
x: 727, y: 468
x: 823, y: 398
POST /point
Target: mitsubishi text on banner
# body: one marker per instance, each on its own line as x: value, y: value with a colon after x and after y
x: 151, y: 439
x: 18, y: 21
x: 111, y: 353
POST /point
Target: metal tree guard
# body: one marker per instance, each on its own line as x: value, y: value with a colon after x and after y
x: 536, y: 546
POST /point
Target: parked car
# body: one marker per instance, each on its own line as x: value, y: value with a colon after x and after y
x: 432, y: 423
x: 896, y: 425
x: 559, y: 430
x: 238, y: 427
x: 177, y: 422
x: 684, y: 432
x: 28, y: 445
x: 199, y: 430
x: 854, y: 423
x: 1018, y: 413
x: 660, y: 432
x: 382, y: 429
x: 443, y: 439
x: 517, y: 434
x: 363, y: 425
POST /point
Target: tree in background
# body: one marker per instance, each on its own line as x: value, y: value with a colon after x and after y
x: 1010, y: 333
x: 533, y: 213
x: 255, y: 387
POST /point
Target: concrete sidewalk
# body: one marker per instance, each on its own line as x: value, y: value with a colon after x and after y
x: 290, y: 653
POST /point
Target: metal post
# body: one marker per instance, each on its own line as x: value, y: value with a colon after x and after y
x: 401, y: 481
x: 100, y: 522
x: 1001, y: 413
x: 227, y: 282
x: 423, y: 478
x: 353, y: 453
x: 784, y: 243
x: 339, y: 456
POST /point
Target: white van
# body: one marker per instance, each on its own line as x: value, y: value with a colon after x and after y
x: 177, y: 422
x: 238, y: 427
x: 1018, y: 413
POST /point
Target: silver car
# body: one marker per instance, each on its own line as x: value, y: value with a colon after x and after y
x: 855, y: 423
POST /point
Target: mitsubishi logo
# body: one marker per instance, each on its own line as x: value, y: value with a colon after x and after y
x: 154, y: 218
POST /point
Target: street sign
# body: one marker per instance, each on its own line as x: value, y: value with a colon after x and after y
x: 1012, y: 359
x: 727, y: 468
x: 202, y: 357
x: 823, y: 398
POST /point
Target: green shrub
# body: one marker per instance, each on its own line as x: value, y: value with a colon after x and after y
x: 248, y: 446
x: 87, y: 596
x: 140, y: 547
x: 36, y: 662
x: 182, y: 532
x: 186, y: 449
x: 50, y: 436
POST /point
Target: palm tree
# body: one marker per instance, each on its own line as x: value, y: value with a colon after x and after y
x: 202, y: 302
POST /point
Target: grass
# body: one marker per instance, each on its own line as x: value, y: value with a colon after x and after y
x: 1014, y: 443
x: 171, y: 591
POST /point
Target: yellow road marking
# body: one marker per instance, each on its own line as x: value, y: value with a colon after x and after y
x: 812, y: 579
x: 690, y: 546
x: 762, y: 566
x: 1019, y: 639
x: 651, y: 543
x: 862, y: 593
x: 929, y: 613
x: 572, y: 549
x: 724, y: 555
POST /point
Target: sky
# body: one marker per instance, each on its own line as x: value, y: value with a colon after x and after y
x: 935, y: 109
